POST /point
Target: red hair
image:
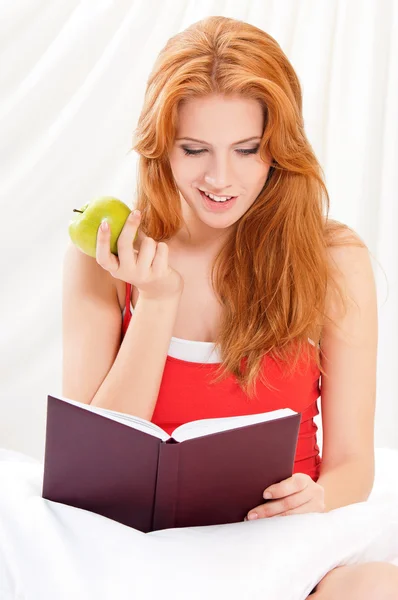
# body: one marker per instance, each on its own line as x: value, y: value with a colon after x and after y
x: 273, y: 272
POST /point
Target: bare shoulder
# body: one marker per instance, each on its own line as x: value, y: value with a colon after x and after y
x: 351, y: 270
x: 346, y: 247
x: 82, y: 272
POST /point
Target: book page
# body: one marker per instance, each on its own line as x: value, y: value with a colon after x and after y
x: 201, y: 427
x: 124, y: 418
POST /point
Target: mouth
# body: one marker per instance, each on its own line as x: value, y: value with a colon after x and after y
x: 217, y: 206
x: 223, y: 196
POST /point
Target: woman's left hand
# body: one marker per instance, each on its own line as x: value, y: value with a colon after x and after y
x: 297, y: 494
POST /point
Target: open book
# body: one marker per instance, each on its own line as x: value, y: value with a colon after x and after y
x: 210, y: 471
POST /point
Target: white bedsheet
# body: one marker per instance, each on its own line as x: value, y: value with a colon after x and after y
x: 50, y: 551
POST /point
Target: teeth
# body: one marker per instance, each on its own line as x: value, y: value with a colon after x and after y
x: 217, y: 198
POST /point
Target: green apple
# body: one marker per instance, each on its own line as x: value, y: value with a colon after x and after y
x: 83, y: 228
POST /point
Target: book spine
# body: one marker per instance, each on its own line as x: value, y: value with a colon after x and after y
x: 165, y: 505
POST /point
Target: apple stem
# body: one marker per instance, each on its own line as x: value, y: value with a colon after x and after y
x: 76, y: 210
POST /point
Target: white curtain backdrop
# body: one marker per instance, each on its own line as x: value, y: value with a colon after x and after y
x: 72, y: 79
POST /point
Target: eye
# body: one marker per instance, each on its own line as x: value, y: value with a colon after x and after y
x: 243, y: 152
x: 189, y: 152
x: 249, y: 151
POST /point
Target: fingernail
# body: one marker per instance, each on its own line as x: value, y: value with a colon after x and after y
x: 252, y: 516
x: 104, y: 225
x: 267, y: 495
x: 137, y: 213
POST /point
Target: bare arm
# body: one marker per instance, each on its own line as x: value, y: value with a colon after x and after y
x: 132, y: 385
x: 96, y: 368
x: 348, y: 394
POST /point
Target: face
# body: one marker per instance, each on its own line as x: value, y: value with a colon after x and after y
x: 221, y: 163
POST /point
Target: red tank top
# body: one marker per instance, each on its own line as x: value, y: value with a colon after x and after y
x: 186, y: 394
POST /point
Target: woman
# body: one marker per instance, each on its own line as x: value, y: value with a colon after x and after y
x: 244, y: 293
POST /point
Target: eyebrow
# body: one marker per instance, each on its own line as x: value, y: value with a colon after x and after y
x: 256, y: 137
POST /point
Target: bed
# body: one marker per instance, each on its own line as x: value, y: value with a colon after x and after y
x: 50, y: 551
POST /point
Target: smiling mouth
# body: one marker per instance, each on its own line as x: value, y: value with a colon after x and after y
x: 223, y: 196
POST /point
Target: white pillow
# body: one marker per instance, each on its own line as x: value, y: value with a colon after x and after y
x: 49, y: 550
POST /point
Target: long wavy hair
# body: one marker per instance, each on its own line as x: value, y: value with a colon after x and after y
x: 272, y: 275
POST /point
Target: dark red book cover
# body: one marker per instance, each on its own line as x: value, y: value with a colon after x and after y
x: 108, y: 467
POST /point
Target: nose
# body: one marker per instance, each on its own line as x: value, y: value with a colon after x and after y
x: 218, y: 174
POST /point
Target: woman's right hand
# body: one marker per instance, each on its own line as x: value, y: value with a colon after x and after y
x: 146, y: 268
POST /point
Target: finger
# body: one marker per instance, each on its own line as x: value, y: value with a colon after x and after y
x: 126, y: 238
x: 140, y: 237
x: 295, y: 483
x: 307, y: 507
x: 276, y: 507
x: 103, y: 254
x: 139, y: 240
x: 146, y: 256
x: 161, y: 257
